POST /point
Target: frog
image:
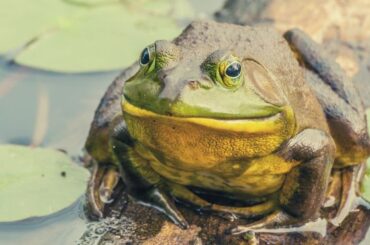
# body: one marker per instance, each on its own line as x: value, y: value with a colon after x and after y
x: 228, y: 119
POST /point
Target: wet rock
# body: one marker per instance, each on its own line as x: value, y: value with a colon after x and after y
x: 134, y: 223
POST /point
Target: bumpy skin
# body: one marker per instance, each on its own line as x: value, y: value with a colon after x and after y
x: 263, y: 138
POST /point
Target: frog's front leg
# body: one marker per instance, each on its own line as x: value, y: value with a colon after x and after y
x: 303, y: 191
x: 141, y: 181
x: 105, y: 174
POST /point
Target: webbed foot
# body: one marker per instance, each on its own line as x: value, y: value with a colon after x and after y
x: 270, y: 222
x: 333, y: 189
x: 350, y: 177
x: 101, y: 185
x: 279, y: 223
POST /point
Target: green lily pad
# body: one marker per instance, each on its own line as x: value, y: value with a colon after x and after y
x: 105, y: 39
x: 21, y: 21
x: 91, y: 3
x: 86, y: 35
x: 37, y: 182
x: 178, y: 9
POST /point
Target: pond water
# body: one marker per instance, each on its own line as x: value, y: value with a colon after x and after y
x: 55, y: 110
x: 64, y: 227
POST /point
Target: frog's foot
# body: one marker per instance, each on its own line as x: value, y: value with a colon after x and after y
x: 270, y: 222
x: 333, y: 190
x: 244, y: 212
x: 101, y: 185
x: 229, y: 212
x: 157, y: 198
x: 348, y: 197
x: 280, y: 222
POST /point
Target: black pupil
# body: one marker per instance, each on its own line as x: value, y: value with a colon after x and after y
x: 233, y: 70
x: 144, y: 59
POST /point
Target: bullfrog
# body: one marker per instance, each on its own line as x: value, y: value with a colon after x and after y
x: 235, y: 120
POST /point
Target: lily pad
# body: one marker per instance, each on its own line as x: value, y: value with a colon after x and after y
x: 37, y: 182
x: 105, y: 39
x: 86, y: 35
x: 21, y: 21
x: 92, y: 3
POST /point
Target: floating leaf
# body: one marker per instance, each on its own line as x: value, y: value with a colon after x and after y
x: 108, y: 38
x: 178, y: 9
x: 21, y: 21
x: 92, y: 3
x: 86, y: 35
x: 37, y: 182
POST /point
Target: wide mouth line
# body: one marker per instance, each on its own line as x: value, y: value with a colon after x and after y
x: 132, y: 109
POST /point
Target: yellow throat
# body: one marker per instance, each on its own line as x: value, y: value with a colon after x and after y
x: 196, y: 143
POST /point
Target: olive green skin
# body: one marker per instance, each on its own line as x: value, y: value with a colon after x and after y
x: 184, y: 81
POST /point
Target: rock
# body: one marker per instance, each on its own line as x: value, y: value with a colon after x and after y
x: 148, y: 226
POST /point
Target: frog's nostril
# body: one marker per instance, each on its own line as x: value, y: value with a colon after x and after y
x: 193, y: 84
x: 162, y: 75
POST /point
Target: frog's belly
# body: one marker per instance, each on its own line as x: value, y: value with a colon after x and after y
x: 246, y: 182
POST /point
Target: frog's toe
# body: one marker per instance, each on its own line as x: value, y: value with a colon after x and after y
x: 333, y: 189
x: 102, y: 183
x: 269, y: 223
x: 161, y: 201
x: 348, y: 196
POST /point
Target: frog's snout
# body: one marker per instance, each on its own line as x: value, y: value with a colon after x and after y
x: 181, y: 79
x: 173, y: 90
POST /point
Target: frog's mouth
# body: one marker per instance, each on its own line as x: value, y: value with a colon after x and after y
x: 267, y: 124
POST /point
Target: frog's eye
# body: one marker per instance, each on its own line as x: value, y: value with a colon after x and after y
x: 145, y: 57
x: 233, y: 70
x: 230, y: 71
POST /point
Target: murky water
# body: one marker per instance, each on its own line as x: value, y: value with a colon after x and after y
x: 55, y: 110
x: 70, y: 101
x: 68, y: 226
